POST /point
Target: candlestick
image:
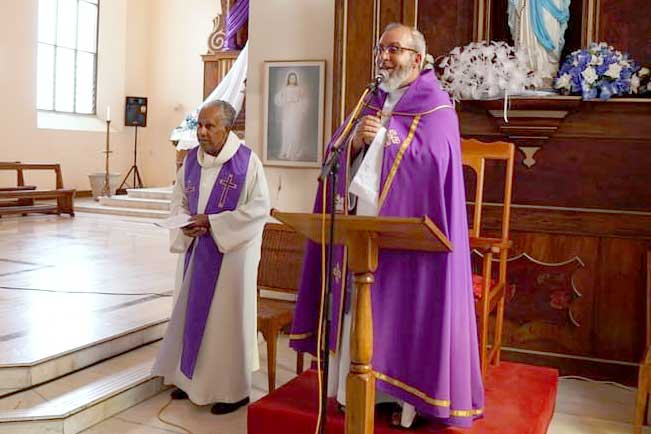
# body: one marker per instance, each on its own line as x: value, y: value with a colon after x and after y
x: 106, y: 190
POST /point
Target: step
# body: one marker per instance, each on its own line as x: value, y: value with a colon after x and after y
x: 80, y: 400
x: 95, y: 208
x: 36, y: 356
x: 16, y: 377
x: 129, y: 202
x: 164, y: 193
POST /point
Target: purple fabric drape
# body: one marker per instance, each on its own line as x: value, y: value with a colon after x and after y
x: 238, y: 16
x: 207, y: 257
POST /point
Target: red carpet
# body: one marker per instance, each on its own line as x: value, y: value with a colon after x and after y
x: 519, y: 400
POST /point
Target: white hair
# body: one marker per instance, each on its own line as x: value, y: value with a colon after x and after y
x: 417, y: 39
x: 227, y: 113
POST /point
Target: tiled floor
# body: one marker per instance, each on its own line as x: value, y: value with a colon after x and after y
x: 142, y: 419
x: 66, y: 282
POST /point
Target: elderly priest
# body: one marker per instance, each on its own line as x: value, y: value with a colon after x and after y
x: 210, y: 348
x: 404, y: 160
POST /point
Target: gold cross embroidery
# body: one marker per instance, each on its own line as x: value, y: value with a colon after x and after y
x: 228, y: 185
x: 339, y: 203
x: 336, y: 274
x: 392, y: 138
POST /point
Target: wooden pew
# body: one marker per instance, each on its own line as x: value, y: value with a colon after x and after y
x: 21, y: 198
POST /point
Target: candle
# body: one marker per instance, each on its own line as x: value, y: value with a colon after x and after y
x: 108, y: 113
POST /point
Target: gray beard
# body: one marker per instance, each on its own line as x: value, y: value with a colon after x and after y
x: 395, y: 80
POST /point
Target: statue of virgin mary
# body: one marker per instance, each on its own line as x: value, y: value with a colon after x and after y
x: 538, y: 27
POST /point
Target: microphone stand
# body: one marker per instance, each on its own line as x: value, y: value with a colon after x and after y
x: 330, y: 171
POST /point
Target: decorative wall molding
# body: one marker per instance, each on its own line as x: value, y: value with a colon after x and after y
x: 217, y: 37
x: 529, y: 152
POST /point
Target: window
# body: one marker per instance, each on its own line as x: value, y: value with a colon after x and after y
x: 67, y: 55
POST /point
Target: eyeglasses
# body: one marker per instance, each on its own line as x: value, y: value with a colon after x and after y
x: 392, y: 50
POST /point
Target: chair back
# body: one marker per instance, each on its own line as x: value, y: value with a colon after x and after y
x: 281, y: 258
x: 474, y: 154
x: 648, y: 298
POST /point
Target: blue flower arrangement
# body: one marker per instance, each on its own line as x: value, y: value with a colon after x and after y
x: 598, y: 71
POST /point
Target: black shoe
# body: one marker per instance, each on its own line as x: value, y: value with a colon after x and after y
x: 225, y: 407
x: 178, y: 394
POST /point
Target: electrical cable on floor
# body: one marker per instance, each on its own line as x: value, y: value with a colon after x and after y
x: 590, y: 380
x: 166, y: 422
x: 16, y: 288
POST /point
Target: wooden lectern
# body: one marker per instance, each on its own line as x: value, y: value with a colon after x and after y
x: 364, y: 236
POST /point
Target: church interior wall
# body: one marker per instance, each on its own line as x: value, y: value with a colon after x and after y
x: 147, y: 48
x: 287, y: 30
x: 79, y: 152
x: 178, y: 38
x: 152, y: 48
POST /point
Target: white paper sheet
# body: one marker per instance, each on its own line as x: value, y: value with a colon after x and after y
x: 174, y: 222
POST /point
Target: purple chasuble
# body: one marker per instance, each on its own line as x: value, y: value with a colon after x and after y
x: 424, y: 327
x: 207, y: 257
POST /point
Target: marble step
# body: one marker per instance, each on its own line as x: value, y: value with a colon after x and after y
x: 77, y: 401
x: 50, y: 352
x: 93, y: 207
x: 164, y: 193
x: 139, y: 203
x: 96, y: 208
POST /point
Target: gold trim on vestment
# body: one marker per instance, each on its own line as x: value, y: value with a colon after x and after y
x: 299, y: 336
x: 398, y: 159
x: 428, y: 399
x: 412, y: 114
x: 342, y: 300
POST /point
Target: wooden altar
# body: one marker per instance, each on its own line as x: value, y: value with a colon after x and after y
x: 581, y: 215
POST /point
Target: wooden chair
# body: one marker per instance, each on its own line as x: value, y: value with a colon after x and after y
x: 280, y: 269
x: 489, y: 292
x: 644, y: 378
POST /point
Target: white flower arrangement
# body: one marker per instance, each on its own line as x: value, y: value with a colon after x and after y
x: 482, y: 70
x: 641, y: 82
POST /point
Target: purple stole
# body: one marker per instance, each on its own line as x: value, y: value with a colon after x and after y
x: 207, y: 257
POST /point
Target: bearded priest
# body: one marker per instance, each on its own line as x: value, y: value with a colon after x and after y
x: 403, y: 159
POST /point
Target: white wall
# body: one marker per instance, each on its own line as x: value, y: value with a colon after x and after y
x: 179, y: 36
x: 287, y: 30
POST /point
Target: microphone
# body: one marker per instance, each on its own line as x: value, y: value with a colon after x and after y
x: 333, y: 157
x: 377, y: 80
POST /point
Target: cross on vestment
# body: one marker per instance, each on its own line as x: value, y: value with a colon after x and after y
x: 228, y: 185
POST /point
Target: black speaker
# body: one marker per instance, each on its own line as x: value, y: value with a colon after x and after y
x: 135, y: 111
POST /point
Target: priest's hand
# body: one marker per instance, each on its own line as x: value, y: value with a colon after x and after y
x: 200, y: 221
x: 199, y: 226
x: 365, y: 131
x: 193, y: 232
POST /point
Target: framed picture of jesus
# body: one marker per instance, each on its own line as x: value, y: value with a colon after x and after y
x: 293, y: 113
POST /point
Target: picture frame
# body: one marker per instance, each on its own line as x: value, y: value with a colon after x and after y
x: 294, y: 100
